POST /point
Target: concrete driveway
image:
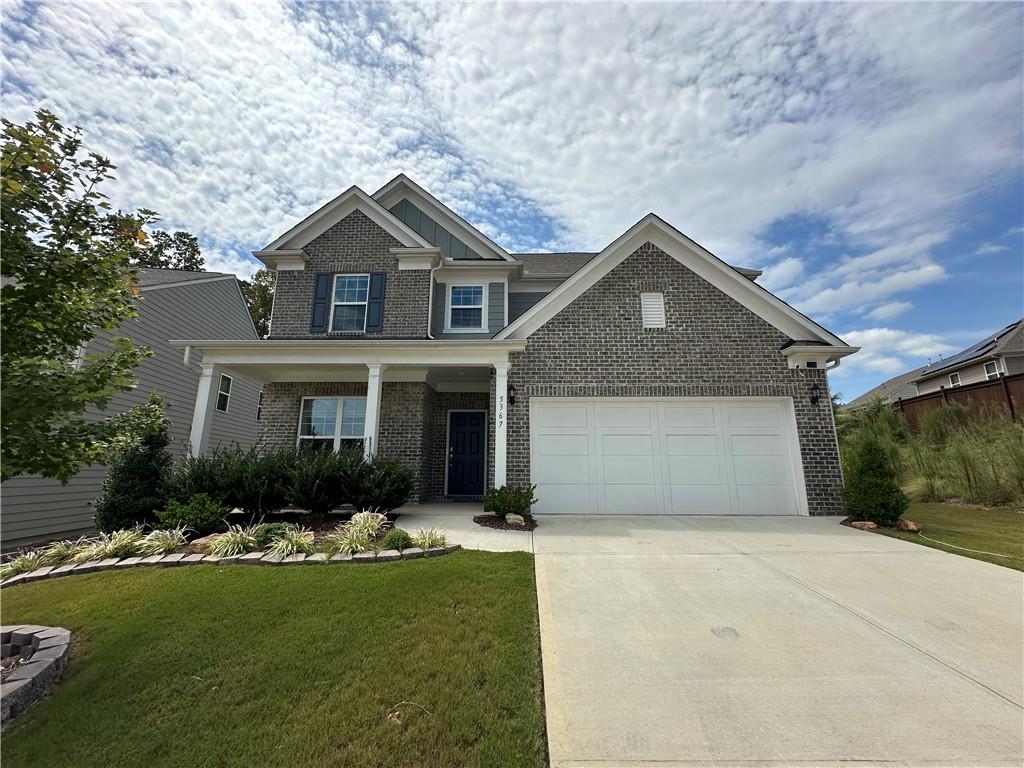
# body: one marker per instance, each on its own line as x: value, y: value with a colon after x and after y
x: 682, y: 641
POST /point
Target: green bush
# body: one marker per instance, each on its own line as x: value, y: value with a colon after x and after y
x: 396, y: 538
x: 317, y: 479
x: 135, y: 488
x: 264, y: 533
x: 255, y: 481
x: 510, y: 499
x: 216, y: 473
x: 380, y: 485
x: 201, y: 514
x: 872, y: 492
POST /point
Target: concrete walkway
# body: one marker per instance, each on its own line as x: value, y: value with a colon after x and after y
x: 724, y: 641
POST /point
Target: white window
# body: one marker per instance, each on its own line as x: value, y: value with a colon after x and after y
x: 467, y: 306
x: 332, y: 421
x: 652, y: 309
x: 224, y: 393
x: 954, y: 379
x: 991, y: 370
x: 348, y: 314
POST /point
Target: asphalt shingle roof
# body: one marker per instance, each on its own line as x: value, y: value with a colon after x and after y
x: 150, y: 276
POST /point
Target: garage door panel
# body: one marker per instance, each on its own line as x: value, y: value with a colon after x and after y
x: 566, y: 499
x: 689, y: 416
x: 752, y: 470
x: 758, y: 445
x: 753, y: 415
x: 630, y: 499
x: 624, y: 416
x: 563, y: 416
x: 695, y: 470
x: 693, y: 445
x: 627, y: 445
x: 765, y: 500
x: 561, y: 445
x: 566, y: 469
x: 628, y: 469
x: 698, y: 499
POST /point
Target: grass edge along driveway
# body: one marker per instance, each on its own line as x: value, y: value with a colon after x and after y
x: 426, y: 662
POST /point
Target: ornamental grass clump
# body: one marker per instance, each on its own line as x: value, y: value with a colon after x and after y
x: 428, y: 538
x: 368, y: 524
x: 346, y: 540
x: 163, y: 541
x: 26, y: 562
x: 236, y: 540
x: 122, y: 543
x: 61, y: 552
x: 296, y: 540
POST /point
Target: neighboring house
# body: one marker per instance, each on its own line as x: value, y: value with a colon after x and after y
x: 173, y: 304
x: 1000, y: 353
x: 890, y: 391
x: 651, y: 377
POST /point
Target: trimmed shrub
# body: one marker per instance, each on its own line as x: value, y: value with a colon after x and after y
x: 871, y: 491
x: 316, y: 479
x: 396, y: 538
x: 136, y: 484
x: 216, y: 474
x: 263, y: 481
x: 380, y: 485
x: 510, y: 499
x: 201, y: 514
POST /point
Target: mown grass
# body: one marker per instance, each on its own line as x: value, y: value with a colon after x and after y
x: 1000, y: 531
x: 417, y: 663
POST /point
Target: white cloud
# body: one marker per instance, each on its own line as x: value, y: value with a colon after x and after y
x: 990, y: 248
x: 890, y: 351
x: 236, y: 120
x: 890, y: 310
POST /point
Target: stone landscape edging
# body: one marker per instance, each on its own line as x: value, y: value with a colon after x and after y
x: 29, y: 681
x: 250, y: 558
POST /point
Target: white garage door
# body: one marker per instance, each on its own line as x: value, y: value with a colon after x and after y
x: 680, y: 457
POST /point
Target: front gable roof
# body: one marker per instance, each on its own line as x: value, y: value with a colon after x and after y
x: 403, y: 188
x: 690, y: 254
x: 325, y: 217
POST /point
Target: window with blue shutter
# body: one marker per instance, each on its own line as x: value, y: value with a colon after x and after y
x: 375, y: 303
x: 321, y: 302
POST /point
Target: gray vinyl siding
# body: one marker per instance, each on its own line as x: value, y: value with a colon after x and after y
x: 518, y: 303
x: 495, y: 312
x: 907, y: 390
x: 435, y: 234
x: 37, y: 509
x: 1013, y: 365
x: 969, y: 374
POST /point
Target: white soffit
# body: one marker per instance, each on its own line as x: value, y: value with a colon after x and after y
x: 402, y: 187
x: 337, y: 209
x: 702, y: 262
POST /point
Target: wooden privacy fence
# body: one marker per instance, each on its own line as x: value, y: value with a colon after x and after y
x: 1005, y: 393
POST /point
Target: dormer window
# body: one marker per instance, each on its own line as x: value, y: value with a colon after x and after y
x: 349, y: 311
x: 466, y: 304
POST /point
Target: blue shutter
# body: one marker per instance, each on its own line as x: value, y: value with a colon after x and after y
x: 320, y: 317
x: 375, y: 303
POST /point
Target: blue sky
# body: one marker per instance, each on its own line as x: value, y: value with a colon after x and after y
x: 868, y: 157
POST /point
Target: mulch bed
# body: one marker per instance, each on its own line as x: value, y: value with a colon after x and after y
x: 495, y: 521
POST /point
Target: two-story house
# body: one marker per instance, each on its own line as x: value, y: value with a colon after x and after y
x: 650, y: 377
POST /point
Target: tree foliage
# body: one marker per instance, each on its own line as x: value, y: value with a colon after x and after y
x: 166, y: 250
x: 872, y: 491
x: 259, y: 295
x: 67, y: 274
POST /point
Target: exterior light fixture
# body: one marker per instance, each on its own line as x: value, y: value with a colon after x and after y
x: 815, y: 393
x: 512, y: 395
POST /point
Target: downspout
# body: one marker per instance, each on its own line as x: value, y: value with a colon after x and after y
x: 430, y: 298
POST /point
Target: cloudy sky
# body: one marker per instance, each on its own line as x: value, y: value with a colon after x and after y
x: 868, y: 157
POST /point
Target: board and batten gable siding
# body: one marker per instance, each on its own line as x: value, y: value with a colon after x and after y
x: 36, y: 509
x: 518, y: 303
x: 434, y: 233
x: 495, y: 312
x: 712, y: 346
x: 355, y: 245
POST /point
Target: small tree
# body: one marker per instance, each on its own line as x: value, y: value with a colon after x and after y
x: 872, y: 492
x: 67, y: 273
x: 134, y: 490
x: 259, y: 296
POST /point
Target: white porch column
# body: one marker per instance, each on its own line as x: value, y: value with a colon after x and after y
x: 206, y: 401
x: 372, y: 422
x: 500, y: 423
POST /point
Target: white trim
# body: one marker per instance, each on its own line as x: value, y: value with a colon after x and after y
x: 336, y: 438
x: 202, y: 414
x: 402, y: 187
x: 448, y: 445
x: 790, y: 430
x: 500, y: 424
x: 483, y: 307
x: 687, y: 252
x: 799, y: 355
x: 416, y: 258
x: 283, y: 260
x: 220, y: 383
x: 951, y: 383
x: 329, y: 214
x: 336, y: 303
x: 995, y: 374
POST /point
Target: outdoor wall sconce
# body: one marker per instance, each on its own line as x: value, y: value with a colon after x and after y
x: 815, y: 393
x: 512, y: 395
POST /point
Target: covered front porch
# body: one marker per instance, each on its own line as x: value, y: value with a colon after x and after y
x: 438, y: 406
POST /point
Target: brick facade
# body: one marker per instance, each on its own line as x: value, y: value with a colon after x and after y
x: 712, y: 347
x: 354, y: 245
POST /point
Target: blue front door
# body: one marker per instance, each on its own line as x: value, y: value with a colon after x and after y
x: 466, y: 430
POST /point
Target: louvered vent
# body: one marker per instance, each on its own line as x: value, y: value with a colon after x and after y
x: 652, y: 309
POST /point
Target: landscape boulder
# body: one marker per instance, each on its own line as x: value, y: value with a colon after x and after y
x: 513, y: 519
x: 202, y: 545
x: 864, y: 525
x: 908, y: 526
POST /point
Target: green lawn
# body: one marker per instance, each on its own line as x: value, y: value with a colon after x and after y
x: 989, y: 530
x: 288, y: 666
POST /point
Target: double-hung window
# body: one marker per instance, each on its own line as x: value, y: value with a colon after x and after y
x: 332, y: 423
x: 466, y: 308
x: 348, y: 314
x: 954, y: 379
x: 991, y: 370
x: 224, y: 393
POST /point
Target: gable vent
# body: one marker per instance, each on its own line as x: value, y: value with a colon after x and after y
x: 652, y: 309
